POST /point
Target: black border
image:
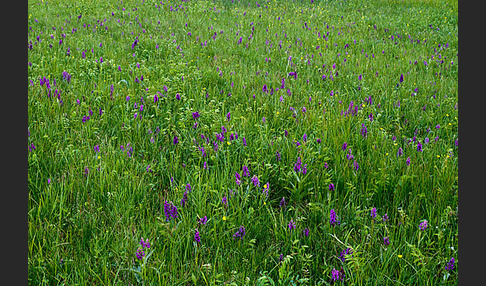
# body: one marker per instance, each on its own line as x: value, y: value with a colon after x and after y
x: 469, y: 205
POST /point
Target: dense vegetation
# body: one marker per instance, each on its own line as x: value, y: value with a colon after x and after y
x: 242, y: 142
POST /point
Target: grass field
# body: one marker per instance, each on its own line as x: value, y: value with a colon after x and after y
x: 242, y: 142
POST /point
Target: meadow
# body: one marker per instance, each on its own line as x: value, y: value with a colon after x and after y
x: 242, y: 142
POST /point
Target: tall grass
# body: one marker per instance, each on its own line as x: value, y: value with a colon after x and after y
x: 378, y: 78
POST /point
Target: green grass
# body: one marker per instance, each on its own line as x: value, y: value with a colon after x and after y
x: 86, y: 224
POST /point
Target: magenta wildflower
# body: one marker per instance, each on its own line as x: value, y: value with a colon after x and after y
x: 203, y: 220
x: 266, y: 188
x: 184, y: 199
x: 364, y: 130
x: 240, y: 233
x: 450, y: 264
x: 140, y: 254
x: 385, y: 217
x: 331, y: 187
x: 345, y: 252
x: 297, y: 165
x: 400, y: 152
x: 333, y: 220
x: 335, y: 275
x: 246, y: 172
x: 386, y: 241
x: 423, y: 225
x: 345, y: 145
x: 292, y: 224
x: 170, y: 211
x: 144, y: 243
x: 238, y: 178
x: 255, y: 181
x: 197, y: 238
x: 373, y: 212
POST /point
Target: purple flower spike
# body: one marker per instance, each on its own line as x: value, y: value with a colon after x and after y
x: 423, y: 225
x: 255, y: 181
x: 333, y: 218
x: 246, y: 173
x: 450, y: 264
x: 386, y: 241
x: 331, y: 187
x: 292, y: 224
x: 373, y: 212
x: 345, y: 145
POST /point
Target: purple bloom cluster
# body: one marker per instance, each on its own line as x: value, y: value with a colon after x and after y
x: 140, y: 253
x: 32, y: 147
x: 246, y: 172
x: 240, y: 233
x: 345, y: 252
x: 385, y: 217
x: 255, y: 181
x: 373, y: 212
x: 141, y: 250
x: 450, y: 264
x: 333, y: 219
x: 331, y: 187
x: 400, y: 152
x: 197, y: 238
x: 66, y: 76
x: 364, y: 130
x: 423, y: 225
x: 170, y: 211
x: 292, y: 224
x: 337, y: 274
x: 203, y: 220
x: 266, y: 188
x: 345, y: 145
x: 306, y: 231
x: 184, y: 199
x: 386, y: 241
